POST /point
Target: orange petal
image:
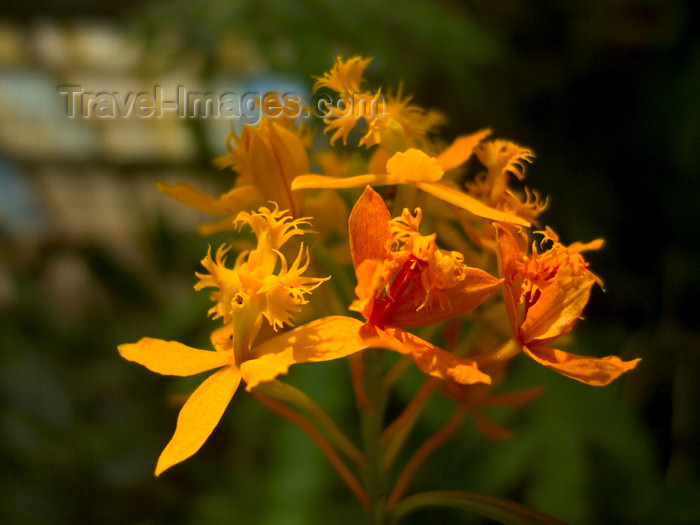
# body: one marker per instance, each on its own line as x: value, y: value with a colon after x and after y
x: 557, y: 309
x: 508, y: 255
x: 469, y: 203
x: 303, y: 182
x: 594, y: 371
x: 368, y: 227
x: 173, y: 358
x: 268, y: 172
x: 324, y: 339
x: 235, y: 200
x: 429, y: 358
x: 291, y: 160
x: 469, y: 293
x: 461, y: 149
x: 199, y: 416
x: 368, y: 282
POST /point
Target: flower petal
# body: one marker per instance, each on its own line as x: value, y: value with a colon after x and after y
x: 594, y: 371
x: 368, y: 227
x: 368, y: 282
x: 473, y: 290
x: 557, y: 309
x: 461, y: 149
x: 469, y: 203
x: 199, y: 416
x: 173, y: 358
x: 266, y: 167
x: 324, y: 339
x: 508, y: 255
x: 242, y: 197
x: 303, y: 182
x: 429, y: 358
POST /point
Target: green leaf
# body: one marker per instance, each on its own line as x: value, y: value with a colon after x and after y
x: 503, y: 511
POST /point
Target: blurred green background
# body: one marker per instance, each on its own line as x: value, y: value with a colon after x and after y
x: 606, y: 92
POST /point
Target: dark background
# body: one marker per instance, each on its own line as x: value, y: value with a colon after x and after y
x: 91, y: 255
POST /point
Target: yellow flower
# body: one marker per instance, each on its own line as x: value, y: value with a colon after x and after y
x: 246, y: 295
x: 419, y: 169
x: 393, y: 122
x: 266, y: 157
x: 504, y: 159
x: 346, y: 79
x: 552, y: 289
x: 346, y: 75
x: 322, y: 340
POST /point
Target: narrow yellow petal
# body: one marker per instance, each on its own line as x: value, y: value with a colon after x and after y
x: 235, y: 200
x: 303, y: 182
x: 594, y: 371
x: 173, y: 358
x: 461, y: 149
x: 469, y: 203
x: 324, y: 339
x: 199, y: 416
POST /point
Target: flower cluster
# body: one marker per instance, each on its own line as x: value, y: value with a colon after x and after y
x: 433, y: 252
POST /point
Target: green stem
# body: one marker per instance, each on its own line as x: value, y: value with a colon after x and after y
x: 371, y: 422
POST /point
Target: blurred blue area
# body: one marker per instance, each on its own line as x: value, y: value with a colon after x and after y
x: 19, y: 208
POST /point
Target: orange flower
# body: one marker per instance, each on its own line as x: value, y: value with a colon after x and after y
x: 552, y: 289
x: 405, y: 280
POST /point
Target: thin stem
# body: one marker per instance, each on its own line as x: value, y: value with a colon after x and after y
x: 290, y: 394
x: 358, y: 386
x: 321, y: 441
x: 409, y: 412
x: 371, y: 407
x: 396, y: 371
x: 396, y: 433
x: 427, y: 448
